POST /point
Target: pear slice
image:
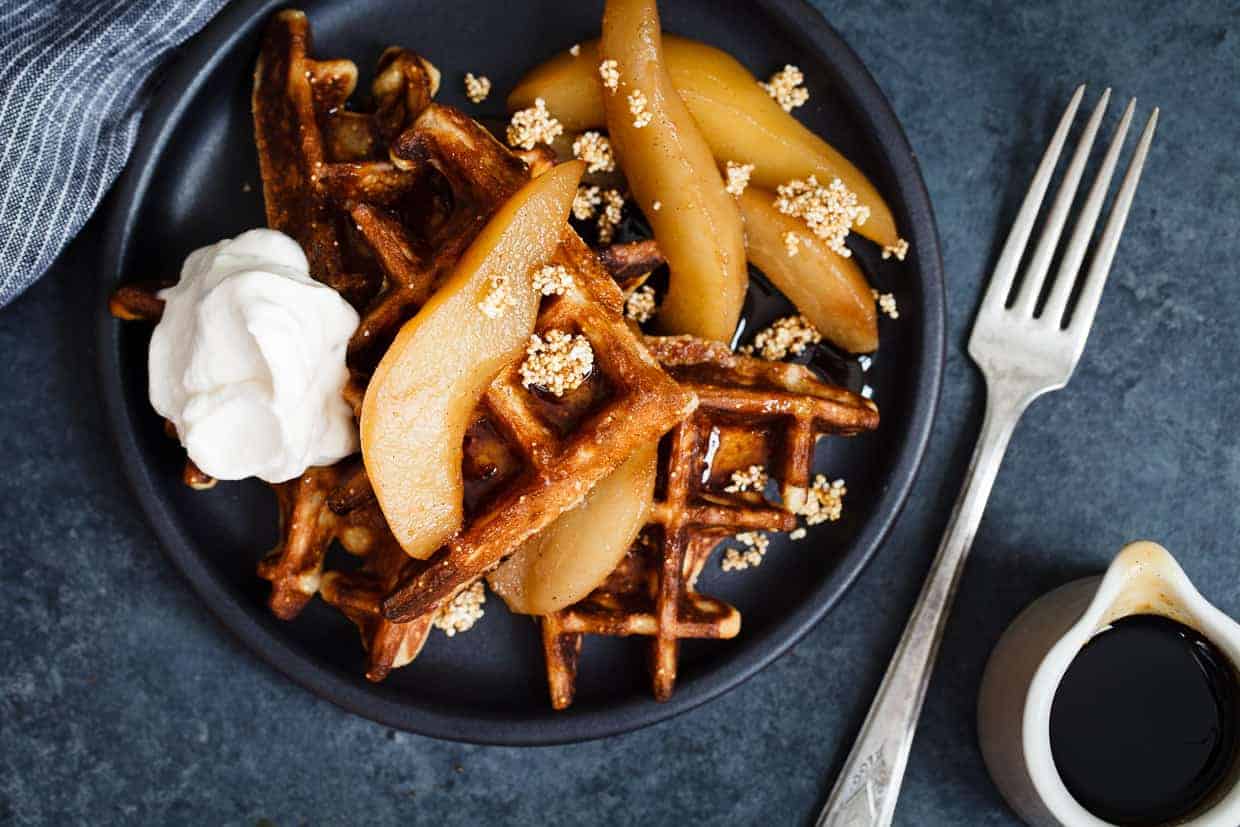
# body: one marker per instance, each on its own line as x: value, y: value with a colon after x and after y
x: 570, y: 86
x: 668, y: 162
x: 737, y: 118
x: 830, y: 290
x: 420, y: 399
x: 573, y: 555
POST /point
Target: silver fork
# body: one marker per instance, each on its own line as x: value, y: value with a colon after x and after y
x: 1023, y: 353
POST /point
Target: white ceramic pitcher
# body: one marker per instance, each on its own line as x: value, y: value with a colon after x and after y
x: 1027, y: 665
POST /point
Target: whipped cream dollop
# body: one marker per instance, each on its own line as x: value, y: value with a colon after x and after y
x: 248, y: 361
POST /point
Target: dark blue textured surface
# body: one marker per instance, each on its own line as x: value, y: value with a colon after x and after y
x: 122, y: 700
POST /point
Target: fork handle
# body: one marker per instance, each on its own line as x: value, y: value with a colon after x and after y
x: 868, y: 785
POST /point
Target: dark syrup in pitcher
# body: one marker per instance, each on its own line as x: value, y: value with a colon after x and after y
x: 1144, y: 724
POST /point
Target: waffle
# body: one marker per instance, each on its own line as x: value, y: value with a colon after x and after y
x: 553, y: 449
x: 294, y: 567
x: 320, y: 161
x: 789, y: 406
x: 307, y: 529
x: 751, y: 412
x: 359, y: 596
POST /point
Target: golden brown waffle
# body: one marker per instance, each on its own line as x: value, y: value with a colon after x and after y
x: 751, y: 412
x: 532, y: 456
x: 307, y: 528
x: 788, y: 404
x: 554, y: 450
x: 320, y: 164
x: 295, y: 566
x: 359, y: 595
x: 325, y: 168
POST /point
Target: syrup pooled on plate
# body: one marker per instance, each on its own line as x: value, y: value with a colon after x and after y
x: 1143, y: 725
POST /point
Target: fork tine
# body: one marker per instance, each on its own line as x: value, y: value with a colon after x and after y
x: 1091, y: 291
x: 1035, y: 274
x: 1014, y: 247
x: 1069, y: 267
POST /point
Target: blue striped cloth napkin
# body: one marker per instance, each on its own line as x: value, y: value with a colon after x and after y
x: 74, y: 77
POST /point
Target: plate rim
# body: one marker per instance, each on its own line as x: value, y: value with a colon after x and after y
x: 180, y: 83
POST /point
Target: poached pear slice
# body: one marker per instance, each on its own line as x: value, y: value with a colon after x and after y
x: 668, y: 164
x: 738, y: 119
x: 425, y: 389
x: 572, y: 556
x: 830, y: 290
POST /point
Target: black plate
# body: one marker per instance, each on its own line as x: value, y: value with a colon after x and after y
x: 194, y: 179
